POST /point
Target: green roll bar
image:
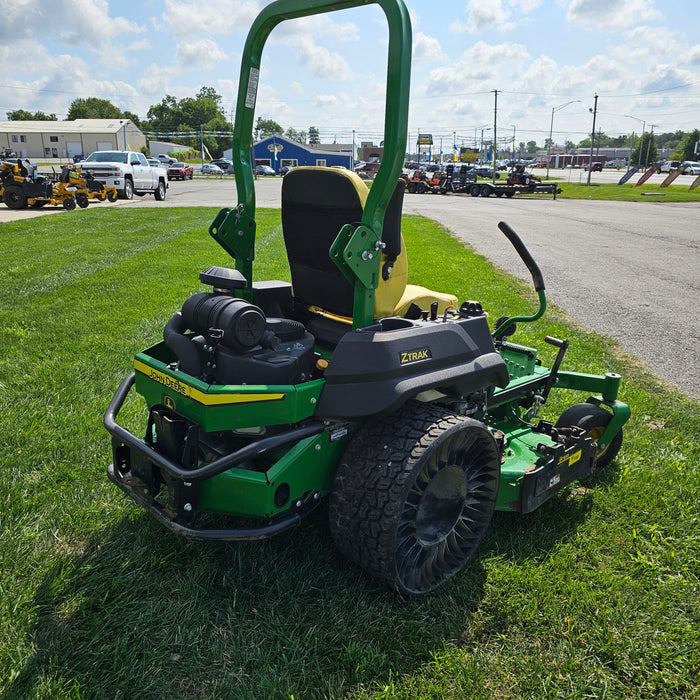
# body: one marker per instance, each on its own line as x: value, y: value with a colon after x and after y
x: 234, y: 229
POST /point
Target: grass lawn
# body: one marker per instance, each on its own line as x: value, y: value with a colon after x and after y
x: 629, y: 192
x: 595, y: 595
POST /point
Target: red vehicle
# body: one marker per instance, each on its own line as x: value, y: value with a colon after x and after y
x: 595, y: 167
x: 180, y: 171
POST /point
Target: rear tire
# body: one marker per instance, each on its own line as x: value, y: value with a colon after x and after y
x: 14, y: 197
x: 474, y: 190
x: 82, y: 200
x: 593, y: 419
x: 485, y: 191
x: 414, y: 495
x: 159, y: 192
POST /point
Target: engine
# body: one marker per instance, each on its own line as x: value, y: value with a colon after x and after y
x: 222, y: 339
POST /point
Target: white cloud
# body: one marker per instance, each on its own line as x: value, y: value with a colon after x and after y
x: 320, y: 60
x: 482, y: 16
x: 193, y: 17
x: 205, y: 53
x: 156, y: 80
x: 693, y: 56
x: 426, y: 48
x: 525, y: 6
x: 479, y: 68
x: 611, y: 15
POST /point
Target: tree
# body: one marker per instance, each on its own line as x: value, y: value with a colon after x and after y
x: 93, y: 108
x: 648, y: 148
x: 133, y: 117
x: 203, y: 112
x: 689, y: 152
x: 294, y: 135
x: 314, y: 135
x: 267, y: 127
x: 531, y: 146
x: 21, y: 115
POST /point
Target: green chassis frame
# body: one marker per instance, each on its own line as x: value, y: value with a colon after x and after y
x: 295, y: 467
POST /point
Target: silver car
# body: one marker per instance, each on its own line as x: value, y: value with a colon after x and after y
x: 211, y: 169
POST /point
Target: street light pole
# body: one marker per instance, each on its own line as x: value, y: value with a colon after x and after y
x: 641, y: 141
x: 551, y: 128
x: 651, y: 136
x: 495, y: 142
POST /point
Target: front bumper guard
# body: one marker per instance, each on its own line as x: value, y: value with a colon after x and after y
x: 131, y: 487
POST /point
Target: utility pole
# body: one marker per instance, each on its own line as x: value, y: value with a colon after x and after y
x: 590, y: 157
x: 495, y: 119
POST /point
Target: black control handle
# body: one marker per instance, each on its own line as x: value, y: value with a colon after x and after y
x: 524, y: 254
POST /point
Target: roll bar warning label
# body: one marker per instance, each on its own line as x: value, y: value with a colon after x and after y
x: 252, y: 91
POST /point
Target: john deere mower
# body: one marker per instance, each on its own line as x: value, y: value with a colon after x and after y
x: 397, y: 403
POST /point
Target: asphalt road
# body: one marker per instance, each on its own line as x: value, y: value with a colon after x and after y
x: 627, y: 270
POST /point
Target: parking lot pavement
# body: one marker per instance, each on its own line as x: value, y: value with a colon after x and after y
x: 628, y: 270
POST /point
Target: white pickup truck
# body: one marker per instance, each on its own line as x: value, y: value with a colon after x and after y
x: 128, y: 171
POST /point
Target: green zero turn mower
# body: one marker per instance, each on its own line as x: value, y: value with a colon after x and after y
x: 396, y: 402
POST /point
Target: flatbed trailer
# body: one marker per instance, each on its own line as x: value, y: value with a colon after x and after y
x: 486, y: 189
x: 519, y: 181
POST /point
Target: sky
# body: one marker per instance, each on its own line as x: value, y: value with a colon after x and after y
x: 545, y: 58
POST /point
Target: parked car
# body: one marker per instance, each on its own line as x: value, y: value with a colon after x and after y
x: 211, y: 169
x: 224, y: 164
x: 367, y: 168
x: 690, y: 167
x: 180, y: 171
x: 483, y: 172
x: 264, y: 170
x: 154, y: 162
x: 166, y: 159
x: 595, y: 167
x: 285, y: 169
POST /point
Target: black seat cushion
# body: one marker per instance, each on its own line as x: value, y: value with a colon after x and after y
x: 316, y: 204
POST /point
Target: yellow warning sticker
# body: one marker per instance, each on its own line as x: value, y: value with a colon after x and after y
x: 206, y: 399
x: 572, y: 458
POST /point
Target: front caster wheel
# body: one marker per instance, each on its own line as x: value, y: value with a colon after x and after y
x: 414, y: 496
x: 593, y: 419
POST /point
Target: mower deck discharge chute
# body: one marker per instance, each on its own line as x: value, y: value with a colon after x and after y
x: 397, y: 402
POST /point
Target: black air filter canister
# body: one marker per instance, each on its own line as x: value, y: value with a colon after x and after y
x: 236, y: 323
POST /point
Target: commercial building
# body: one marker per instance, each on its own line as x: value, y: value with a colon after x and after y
x: 279, y: 151
x: 66, y: 139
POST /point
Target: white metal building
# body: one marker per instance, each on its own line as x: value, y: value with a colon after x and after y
x: 65, y: 139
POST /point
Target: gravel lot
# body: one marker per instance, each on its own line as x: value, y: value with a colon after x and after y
x: 624, y: 269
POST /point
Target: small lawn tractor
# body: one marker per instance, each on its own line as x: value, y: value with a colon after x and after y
x: 21, y: 187
x: 421, y: 182
x: 397, y: 403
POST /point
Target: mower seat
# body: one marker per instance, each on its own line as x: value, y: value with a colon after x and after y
x: 316, y: 203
